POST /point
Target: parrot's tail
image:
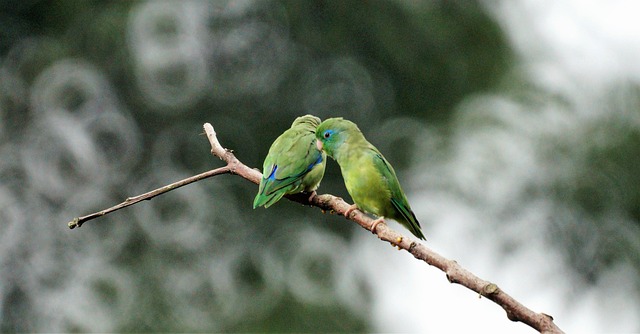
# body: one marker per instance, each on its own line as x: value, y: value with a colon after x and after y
x: 267, y: 200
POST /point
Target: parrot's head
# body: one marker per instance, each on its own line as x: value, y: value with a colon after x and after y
x: 307, y: 120
x: 333, y: 133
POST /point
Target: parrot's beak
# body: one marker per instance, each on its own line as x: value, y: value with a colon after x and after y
x: 319, y: 145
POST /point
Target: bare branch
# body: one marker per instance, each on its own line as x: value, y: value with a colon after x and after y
x: 455, y: 273
x: 216, y: 149
x: 235, y: 166
x: 541, y: 322
x: 77, y: 222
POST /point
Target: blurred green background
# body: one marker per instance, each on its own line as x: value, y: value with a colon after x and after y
x: 514, y: 127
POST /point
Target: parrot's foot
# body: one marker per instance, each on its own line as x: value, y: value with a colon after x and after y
x: 312, y: 196
x: 349, y: 210
x: 376, y: 223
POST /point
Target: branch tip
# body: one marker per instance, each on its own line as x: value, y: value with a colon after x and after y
x: 216, y: 148
x: 74, y: 223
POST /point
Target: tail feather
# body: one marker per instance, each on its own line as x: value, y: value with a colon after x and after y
x: 411, y: 222
x: 267, y: 200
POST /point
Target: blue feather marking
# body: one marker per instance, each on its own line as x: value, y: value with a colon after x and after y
x: 272, y: 176
x: 290, y: 179
x: 318, y: 161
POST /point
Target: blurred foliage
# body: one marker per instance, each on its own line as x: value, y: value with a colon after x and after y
x: 435, y: 52
x: 410, y: 60
x: 604, y: 188
x: 200, y: 259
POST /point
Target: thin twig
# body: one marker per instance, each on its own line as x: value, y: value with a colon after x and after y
x: 77, y: 222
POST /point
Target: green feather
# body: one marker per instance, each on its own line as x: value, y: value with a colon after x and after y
x: 294, y: 164
x: 368, y: 176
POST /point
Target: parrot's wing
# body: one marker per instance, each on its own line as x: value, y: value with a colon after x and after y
x: 398, y: 198
x: 296, y: 156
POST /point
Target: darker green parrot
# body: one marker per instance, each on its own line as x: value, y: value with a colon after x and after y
x: 294, y: 163
x: 368, y: 176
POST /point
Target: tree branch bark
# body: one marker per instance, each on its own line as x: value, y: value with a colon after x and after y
x: 455, y: 273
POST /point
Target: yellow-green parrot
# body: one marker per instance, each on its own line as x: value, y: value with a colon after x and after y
x: 368, y: 176
x: 294, y: 163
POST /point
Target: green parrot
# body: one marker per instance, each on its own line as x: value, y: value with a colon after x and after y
x: 293, y: 165
x: 368, y: 176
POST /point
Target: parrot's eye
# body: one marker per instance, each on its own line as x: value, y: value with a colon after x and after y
x: 327, y: 134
